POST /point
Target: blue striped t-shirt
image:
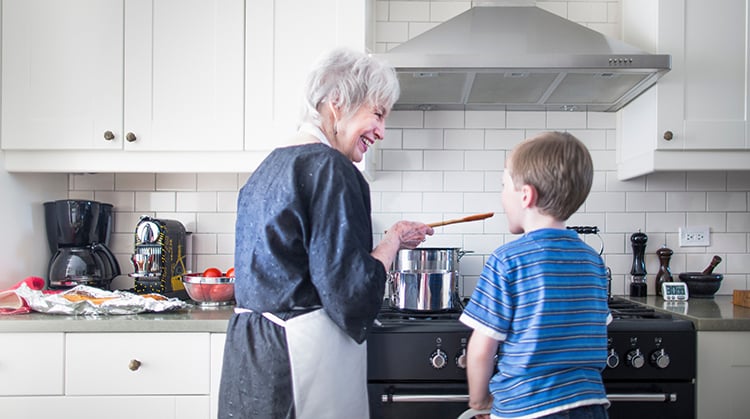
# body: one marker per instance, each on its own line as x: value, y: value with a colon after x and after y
x: 544, y: 296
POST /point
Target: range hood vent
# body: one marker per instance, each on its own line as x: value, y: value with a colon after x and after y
x: 520, y: 58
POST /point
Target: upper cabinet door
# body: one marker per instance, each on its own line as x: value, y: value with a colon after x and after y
x: 695, y: 117
x: 155, y: 75
x: 284, y: 39
x: 62, y: 72
x: 184, y: 74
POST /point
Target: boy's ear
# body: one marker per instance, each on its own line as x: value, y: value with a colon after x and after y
x: 528, y: 196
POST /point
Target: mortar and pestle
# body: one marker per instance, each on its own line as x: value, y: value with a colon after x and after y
x: 703, y: 284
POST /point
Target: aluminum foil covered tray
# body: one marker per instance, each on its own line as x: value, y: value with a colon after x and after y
x: 85, y: 300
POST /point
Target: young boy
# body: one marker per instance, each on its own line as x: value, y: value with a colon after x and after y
x: 539, y: 311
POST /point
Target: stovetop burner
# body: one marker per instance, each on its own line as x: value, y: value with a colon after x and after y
x: 629, y: 310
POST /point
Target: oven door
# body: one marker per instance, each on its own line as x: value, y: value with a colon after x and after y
x: 417, y: 400
x: 651, y: 400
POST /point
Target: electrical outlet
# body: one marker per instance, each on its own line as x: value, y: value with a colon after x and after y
x: 694, y: 236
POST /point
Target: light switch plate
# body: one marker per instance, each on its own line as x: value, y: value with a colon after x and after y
x: 695, y: 236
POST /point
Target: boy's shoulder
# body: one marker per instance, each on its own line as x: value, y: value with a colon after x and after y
x: 536, y: 239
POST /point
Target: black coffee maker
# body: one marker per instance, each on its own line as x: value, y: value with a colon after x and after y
x: 78, y: 233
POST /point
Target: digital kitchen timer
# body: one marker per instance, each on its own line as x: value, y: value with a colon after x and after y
x: 674, y: 291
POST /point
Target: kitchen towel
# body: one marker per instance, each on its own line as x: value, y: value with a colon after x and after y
x: 12, y: 303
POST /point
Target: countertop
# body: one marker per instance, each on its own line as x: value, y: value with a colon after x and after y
x: 715, y: 314
x: 707, y: 314
x: 193, y: 319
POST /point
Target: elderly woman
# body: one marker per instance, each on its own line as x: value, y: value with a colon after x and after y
x: 309, y: 283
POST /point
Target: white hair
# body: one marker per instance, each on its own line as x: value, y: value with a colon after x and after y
x: 348, y: 79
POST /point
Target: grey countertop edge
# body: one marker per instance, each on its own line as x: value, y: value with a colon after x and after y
x: 716, y: 314
x: 707, y: 314
x: 212, y: 320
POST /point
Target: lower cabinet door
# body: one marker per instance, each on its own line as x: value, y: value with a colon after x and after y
x: 137, y: 364
x: 110, y: 407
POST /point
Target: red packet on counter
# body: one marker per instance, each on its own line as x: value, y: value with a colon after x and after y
x: 12, y: 303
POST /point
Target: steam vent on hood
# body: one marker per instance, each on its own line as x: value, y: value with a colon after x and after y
x: 520, y: 58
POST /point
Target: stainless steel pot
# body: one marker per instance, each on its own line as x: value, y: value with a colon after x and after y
x: 425, y: 279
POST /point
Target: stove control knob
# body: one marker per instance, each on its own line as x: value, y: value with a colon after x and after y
x: 613, y: 359
x: 635, y: 358
x: 660, y: 359
x: 438, y: 359
x: 461, y: 359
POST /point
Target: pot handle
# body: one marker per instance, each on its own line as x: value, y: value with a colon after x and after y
x: 462, y: 252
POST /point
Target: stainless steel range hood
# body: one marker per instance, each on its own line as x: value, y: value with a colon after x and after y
x: 520, y: 58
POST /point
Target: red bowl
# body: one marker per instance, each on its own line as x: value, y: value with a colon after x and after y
x: 213, y: 290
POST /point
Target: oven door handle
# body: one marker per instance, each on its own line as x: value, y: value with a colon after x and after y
x: 418, y: 398
x: 643, y: 397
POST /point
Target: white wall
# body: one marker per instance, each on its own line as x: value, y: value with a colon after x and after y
x: 23, y: 239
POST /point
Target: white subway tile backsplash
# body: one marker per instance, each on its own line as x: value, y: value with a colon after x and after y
x: 726, y: 201
x: 175, y: 181
x: 95, y: 181
x: 738, y: 181
x: 422, y: 181
x: 645, y: 201
x: 632, y: 185
x: 601, y: 120
x: 393, y: 32
x: 738, y: 222
x: 215, y: 222
x: 225, y: 243
x: 464, y: 181
x: 135, y: 181
x: 393, y: 140
x: 464, y: 139
x: 155, y: 201
x: 204, y: 244
x: 484, y: 160
x: 664, y: 222
x: 605, y: 202
x: 706, y: 181
x: 493, y: 181
x: 561, y: 121
x: 728, y: 242
x: 441, y: 11
x: 422, y: 139
x: 123, y: 201
x: 442, y: 201
x: 405, y: 119
x: 624, y: 222
x: 443, y: 160
x: 401, y: 202
x: 686, y: 201
x: 502, y: 139
x: 485, y: 119
x: 444, y: 119
x: 666, y: 181
x: 418, y: 28
x: 403, y: 160
x: 216, y: 182
x: 716, y: 221
x: 227, y: 201
x: 407, y: 11
x: 526, y: 120
x: 604, y: 159
x: 480, y: 202
x: 388, y: 181
x: 196, y: 201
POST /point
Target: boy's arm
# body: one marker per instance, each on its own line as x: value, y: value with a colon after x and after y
x: 480, y: 365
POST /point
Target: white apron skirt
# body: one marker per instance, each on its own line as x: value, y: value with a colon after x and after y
x: 328, y: 368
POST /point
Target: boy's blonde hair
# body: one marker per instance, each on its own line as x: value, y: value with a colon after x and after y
x: 558, y: 165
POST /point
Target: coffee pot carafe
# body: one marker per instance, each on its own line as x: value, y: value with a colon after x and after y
x: 78, y: 233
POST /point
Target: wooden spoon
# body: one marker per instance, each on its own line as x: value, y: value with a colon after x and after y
x: 475, y: 217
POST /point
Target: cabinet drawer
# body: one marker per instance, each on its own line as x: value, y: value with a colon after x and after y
x: 167, y: 363
x: 31, y: 363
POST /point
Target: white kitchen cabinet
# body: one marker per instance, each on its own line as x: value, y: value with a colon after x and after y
x: 122, y: 75
x: 701, y: 104
x: 723, y: 375
x: 31, y: 363
x: 94, y: 375
x: 217, y: 360
x: 284, y: 38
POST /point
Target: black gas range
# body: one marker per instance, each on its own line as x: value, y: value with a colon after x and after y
x: 417, y: 364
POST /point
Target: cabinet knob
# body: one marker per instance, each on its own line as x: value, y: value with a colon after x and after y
x: 134, y: 364
x: 109, y: 135
x: 130, y: 137
x: 668, y: 135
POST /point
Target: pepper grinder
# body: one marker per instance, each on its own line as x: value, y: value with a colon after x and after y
x: 638, y: 286
x: 664, y: 274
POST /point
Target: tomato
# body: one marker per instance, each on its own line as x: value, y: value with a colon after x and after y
x: 212, y: 272
x: 230, y: 273
x: 223, y: 292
